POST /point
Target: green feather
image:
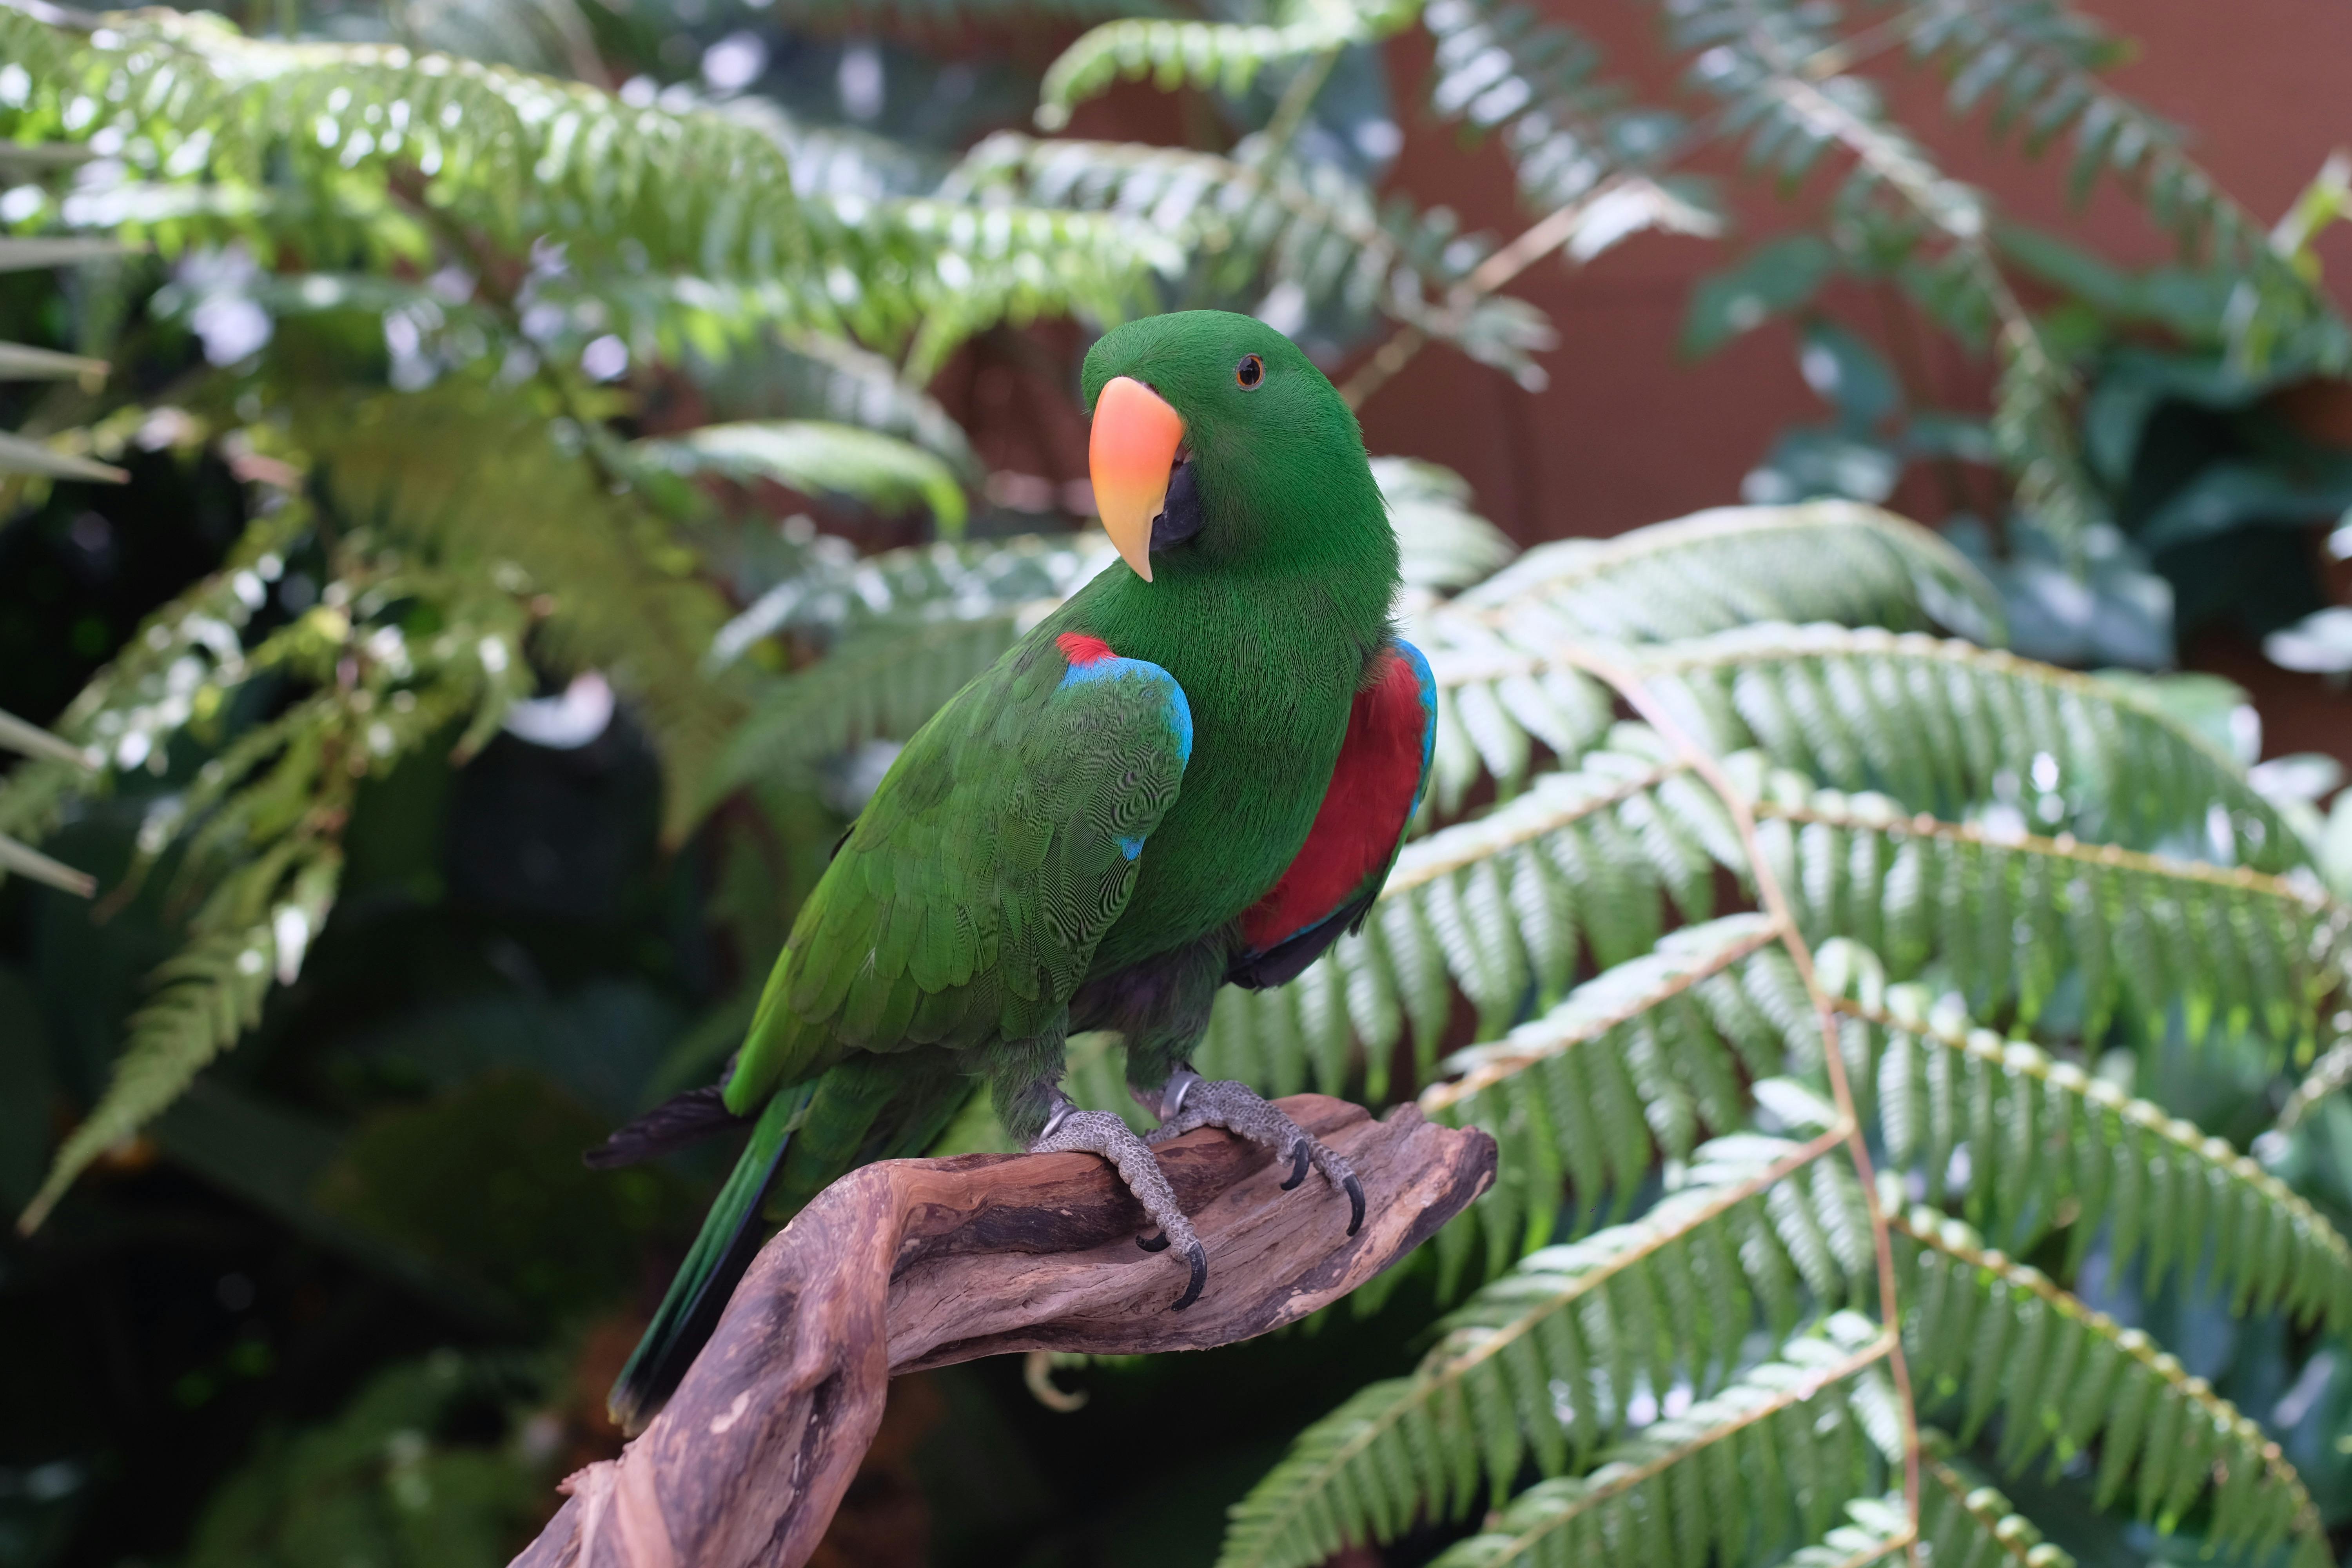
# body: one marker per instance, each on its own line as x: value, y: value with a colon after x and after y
x: 725, y: 1247
x: 1033, y: 835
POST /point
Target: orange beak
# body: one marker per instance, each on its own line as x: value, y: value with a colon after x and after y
x: 1129, y: 453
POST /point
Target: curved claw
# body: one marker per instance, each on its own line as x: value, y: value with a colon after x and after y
x: 1199, y: 1257
x: 1153, y: 1243
x: 1299, y: 1158
x: 1355, y: 1191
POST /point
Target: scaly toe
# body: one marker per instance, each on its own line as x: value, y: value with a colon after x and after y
x: 1198, y: 1256
x: 1071, y: 1130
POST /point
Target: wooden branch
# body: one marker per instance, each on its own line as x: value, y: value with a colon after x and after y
x: 911, y: 1264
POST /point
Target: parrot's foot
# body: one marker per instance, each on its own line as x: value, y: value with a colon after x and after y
x: 1069, y: 1129
x: 1190, y: 1100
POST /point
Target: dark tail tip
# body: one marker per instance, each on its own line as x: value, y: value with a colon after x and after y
x: 675, y: 1122
x: 677, y: 1337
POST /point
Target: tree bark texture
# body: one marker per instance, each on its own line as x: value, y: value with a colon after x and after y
x: 910, y: 1264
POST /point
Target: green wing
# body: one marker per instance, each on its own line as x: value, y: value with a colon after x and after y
x: 965, y: 903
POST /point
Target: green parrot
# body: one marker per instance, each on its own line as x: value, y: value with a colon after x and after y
x: 1196, y: 771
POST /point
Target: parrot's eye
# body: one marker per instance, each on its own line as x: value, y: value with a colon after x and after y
x: 1250, y: 374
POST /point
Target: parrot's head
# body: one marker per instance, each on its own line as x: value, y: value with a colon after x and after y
x: 1217, y: 445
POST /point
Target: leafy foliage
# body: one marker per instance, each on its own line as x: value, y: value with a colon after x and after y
x: 1712, y: 975
x: 1222, y: 54
x: 1781, y: 1451
x: 1995, y: 1335
x: 1784, y: 753
x: 812, y: 455
x: 1249, y: 224
x: 1501, y: 70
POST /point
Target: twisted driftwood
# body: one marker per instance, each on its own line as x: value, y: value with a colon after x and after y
x: 921, y: 1263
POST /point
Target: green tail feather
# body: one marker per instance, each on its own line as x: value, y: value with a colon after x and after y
x: 731, y: 1237
x: 868, y: 1108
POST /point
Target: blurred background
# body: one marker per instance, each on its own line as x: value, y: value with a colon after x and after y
x: 520, y: 798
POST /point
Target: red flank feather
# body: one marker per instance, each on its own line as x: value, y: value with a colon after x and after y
x: 1364, y: 809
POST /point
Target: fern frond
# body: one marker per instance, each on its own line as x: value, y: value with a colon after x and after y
x: 1776, y: 67
x: 837, y: 591
x: 958, y: 14
x: 505, y: 506
x: 1969, y: 1526
x: 1544, y: 1362
x: 2049, y: 1145
x: 22, y: 361
x: 2331, y: 1072
x: 1221, y: 56
x: 816, y: 455
x: 1713, y: 571
x: 1500, y: 66
x: 251, y: 933
x: 1940, y: 726
x: 32, y: 740
x: 24, y: 860
x: 1495, y: 703
x: 1444, y: 544
x: 853, y: 385
x: 946, y: 269
x: 1499, y: 907
x: 1245, y: 227
x: 880, y: 682
x: 1828, y: 560
x: 914, y: 274
x: 512, y: 157
x: 1771, y: 1461
x: 1993, y: 1335
x: 2036, y: 65
x: 1875, y: 1530
x: 1635, y: 1061
x: 2009, y: 917
x: 24, y: 455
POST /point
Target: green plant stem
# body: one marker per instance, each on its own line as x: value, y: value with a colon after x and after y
x: 1290, y: 112
x: 1532, y: 244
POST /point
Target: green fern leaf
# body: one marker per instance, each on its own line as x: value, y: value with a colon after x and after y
x: 1774, y: 1459
x: 1595, y: 855
x: 2037, y: 65
x: 2127, y: 773
x: 2160, y: 1431
x: 1247, y: 227
x: 511, y: 156
x: 1777, y: 69
x: 835, y: 592
x: 1498, y: 67
x: 251, y: 933
x: 2045, y: 1139
x: 1974, y: 1527
x: 507, y: 507
x: 1222, y: 56
x: 881, y: 682
x: 883, y: 471
x: 1445, y: 544
x: 1621, y: 1044
x: 1544, y: 1362
x: 2245, y: 951
x: 1816, y: 560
